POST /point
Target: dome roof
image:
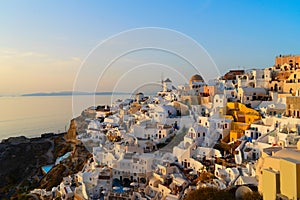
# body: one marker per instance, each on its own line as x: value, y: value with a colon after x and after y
x: 242, y: 191
x: 196, y: 78
x: 168, y: 80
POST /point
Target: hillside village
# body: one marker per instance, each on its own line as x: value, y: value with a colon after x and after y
x: 238, y: 132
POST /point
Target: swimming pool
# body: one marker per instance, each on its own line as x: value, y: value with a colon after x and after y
x: 47, y: 168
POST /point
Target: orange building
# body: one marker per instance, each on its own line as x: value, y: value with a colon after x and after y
x: 292, y: 60
x: 231, y: 75
x: 293, y: 107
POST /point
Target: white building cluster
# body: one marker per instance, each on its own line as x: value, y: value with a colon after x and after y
x: 160, y: 147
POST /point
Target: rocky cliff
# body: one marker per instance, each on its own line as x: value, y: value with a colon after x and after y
x: 70, y: 136
x: 21, y: 160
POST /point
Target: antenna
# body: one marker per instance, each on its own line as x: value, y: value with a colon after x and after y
x: 162, y: 81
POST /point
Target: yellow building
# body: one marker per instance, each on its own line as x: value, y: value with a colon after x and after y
x: 279, y: 175
x: 290, y: 178
x: 292, y: 83
x: 242, y: 117
x: 235, y: 134
x: 271, y: 184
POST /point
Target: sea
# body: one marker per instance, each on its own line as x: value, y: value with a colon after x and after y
x: 32, y: 116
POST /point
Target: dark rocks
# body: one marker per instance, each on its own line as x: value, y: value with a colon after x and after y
x: 20, y: 159
x: 47, y: 135
x: 16, y: 140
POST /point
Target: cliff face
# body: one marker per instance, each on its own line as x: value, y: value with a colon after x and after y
x: 72, y: 132
x: 78, y: 125
x: 21, y: 160
x: 71, y: 165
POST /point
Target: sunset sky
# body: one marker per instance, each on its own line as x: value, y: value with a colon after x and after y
x: 44, y: 43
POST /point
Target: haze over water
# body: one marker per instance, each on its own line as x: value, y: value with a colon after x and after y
x: 33, y: 115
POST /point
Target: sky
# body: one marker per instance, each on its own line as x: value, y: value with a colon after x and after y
x: 44, y: 45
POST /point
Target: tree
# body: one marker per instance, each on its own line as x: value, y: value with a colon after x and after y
x: 209, y: 194
x: 253, y: 196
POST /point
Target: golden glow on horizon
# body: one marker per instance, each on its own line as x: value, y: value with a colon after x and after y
x: 27, y: 71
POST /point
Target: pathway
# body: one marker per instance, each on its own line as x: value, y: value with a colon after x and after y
x: 175, y: 141
x: 49, y: 152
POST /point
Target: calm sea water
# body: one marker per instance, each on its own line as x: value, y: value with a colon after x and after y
x: 32, y: 116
